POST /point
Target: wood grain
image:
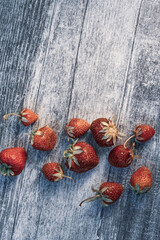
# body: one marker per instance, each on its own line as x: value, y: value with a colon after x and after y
x: 86, y: 59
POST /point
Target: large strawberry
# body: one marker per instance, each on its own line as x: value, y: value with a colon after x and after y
x: 121, y: 156
x: 53, y: 172
x: 76, y: 127
x: 80, y: 157
x: 27, y: 116
x: 141, y: 180
x: 43, y: 139
x: 107, y: 193
x: 12, y: 161
x: 105, y: 132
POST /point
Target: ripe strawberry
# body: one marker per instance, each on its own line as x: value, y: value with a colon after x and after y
x: 105, y: 132
x: 27, y: 116
x: 80, y: 157
x: 144, y: 133
x: 141, y: 180
x: 107, y: 193
x: 121, y: 156
x: 76, y: 127
x: 43, y: 139
x: 53, y: 172
x: 12, y: 161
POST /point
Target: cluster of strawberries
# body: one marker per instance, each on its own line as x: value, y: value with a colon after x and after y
x: 80, y: 156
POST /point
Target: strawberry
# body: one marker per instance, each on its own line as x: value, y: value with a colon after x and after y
x: 107, y: 193
x: 43, y: 139
x: 12, y: 161
x: 141, y: 180
x: 27, y: 116
x: 53, y: 172
x: 105, y: 132
x: 121, y: 156
x: 80, y: 157
x: 144, y: 132
x: 76, y: 127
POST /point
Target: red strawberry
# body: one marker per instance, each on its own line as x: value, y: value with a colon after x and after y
x: 121, y: 156
x: 141, y: 180
x: 105, y: 132
x: 53, y: 172
x: 144, y: 133
x: 43, y: 139
x: 107, y: 193
x: 76, y: 127
x: 27, y: 116
x: 80, y: 157
x: 12, y: 161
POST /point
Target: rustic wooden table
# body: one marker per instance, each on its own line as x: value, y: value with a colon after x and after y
x: 87, y: 59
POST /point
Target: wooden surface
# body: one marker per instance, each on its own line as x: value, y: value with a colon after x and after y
x: 74, y: 58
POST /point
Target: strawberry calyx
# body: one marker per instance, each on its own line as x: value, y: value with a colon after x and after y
x: 99, y: 196
x: 132, y: 156
x: 70, y: 153
x: 6, y: 169
x: 137, y: 189
x: 32, y: 134
x: 69, y: 130
x: 60, y: 175
x: 138, y: 132
x: 110, y: 131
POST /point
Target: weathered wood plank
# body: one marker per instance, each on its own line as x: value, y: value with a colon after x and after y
x: 138, y: 217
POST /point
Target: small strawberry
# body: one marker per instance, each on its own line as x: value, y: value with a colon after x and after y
x: 105, y: 132
x: 53, y: 172
x: 43, y: 139
x: 107, y: 193
x: 141, y: 180
x: 12, y: 161
x: 142, y: 133
x: 80, y: 157
x: 76, y: 127
x: 27, y: 116
x: 121, y: 156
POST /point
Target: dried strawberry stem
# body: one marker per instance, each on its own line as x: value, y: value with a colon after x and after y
x: 128, y: 140
x: 68, y: 177
x: 6, y: 115
x: 88, y: 199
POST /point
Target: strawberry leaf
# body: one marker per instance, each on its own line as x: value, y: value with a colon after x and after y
x: 75, y: 160
x: 145, y: 190
x: 106, y: 199
x: 23, y: 119
x: 77, y: 152
x: 103, y: 189
x: 39, y: 133
x: 24, y: 114
x: 104, y: 123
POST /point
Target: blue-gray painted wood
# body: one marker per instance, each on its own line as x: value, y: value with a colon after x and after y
x: 85, y: 59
